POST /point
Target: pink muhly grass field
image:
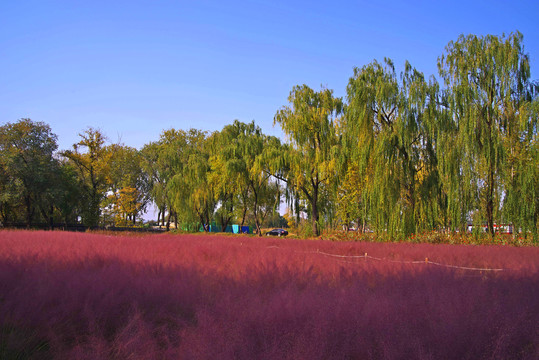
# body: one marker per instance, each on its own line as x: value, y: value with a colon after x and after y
x: 95, y: 296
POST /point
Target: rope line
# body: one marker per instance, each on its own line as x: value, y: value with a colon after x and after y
x: 426, y: 261
x: 464, y: 267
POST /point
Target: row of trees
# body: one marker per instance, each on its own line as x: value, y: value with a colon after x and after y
x: 93, y: 183
x: 196, y: 177
x: 192, y: 177
x: 400, y: 154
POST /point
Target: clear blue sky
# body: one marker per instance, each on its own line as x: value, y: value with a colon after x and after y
x: 134, y: 68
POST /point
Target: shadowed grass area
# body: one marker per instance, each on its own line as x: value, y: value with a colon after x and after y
x: 19, y: 343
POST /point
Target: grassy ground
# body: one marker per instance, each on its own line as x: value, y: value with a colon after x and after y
x: 104, y: 296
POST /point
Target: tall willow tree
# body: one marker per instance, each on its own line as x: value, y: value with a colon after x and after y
x: 156, y: 174
x: 184, y: 162
x: 230, y: 163
x: 163, y: 160
x: 237, y: 172
x: 309, y: 123
x: 521, y: 202
x: 488, y: 88
x: 388, y: 131
x: 223, y: 176
x: 194, y: 181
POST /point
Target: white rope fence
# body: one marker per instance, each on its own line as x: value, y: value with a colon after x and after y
x: 367, y: 256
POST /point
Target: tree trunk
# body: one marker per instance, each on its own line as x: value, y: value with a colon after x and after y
x: 29, y: 211
x: 224, y: 223
x: 255, y: 211
x: 490, y: 202
x: 315, y: 214
x: 94, y: 206
x: 490, y: 181
x: 296, y: 208
x: 168, y: 220
x: 313, y: 201
x: 315, y: 218
x: 243, y: 216
x: 205, y: 226
x: 245, y: 197
x: 410, y: 224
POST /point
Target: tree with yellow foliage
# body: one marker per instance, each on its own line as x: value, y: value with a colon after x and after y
x: 92, y: 159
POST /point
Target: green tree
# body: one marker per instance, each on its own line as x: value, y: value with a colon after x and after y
x: 229, y: 172
x: 169, y: 157
x: 264, y: 201
x: 488, y: 86
x: 68, y: 193
x: 198, y: 192
x: 521, y: 175
x: 183, y: 158
x: 239, y: 176
x: 264, y: 191
x: 157, y: 172
x: 93, y: 170
x: 389, y: 135
x: 222, y: 177
x: 28, y: 170
x: 309, y: 124
x: 350, y: 205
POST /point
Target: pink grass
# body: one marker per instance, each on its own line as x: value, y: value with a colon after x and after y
x: 93, y: 296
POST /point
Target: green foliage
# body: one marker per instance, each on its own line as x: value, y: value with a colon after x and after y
x: 314, y: 146
x: 28, y: 171
x: 404, y: 156
x: 157, y: 172
x: 491, y: 126
x: 389, y: 138
x: 238, y: 173
x: 92, y: 160
x: 179, y: 176
x: 350, y: 207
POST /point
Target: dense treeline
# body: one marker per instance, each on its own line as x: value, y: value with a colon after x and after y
x: 400, y: 154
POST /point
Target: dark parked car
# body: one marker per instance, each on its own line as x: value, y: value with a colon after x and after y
x: 277, y: 232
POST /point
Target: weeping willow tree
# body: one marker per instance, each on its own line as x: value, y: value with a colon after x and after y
x: 224, y: 176
x: 157, y: 174
x: 193, y: 193
x: 521, y: 203
x: 182, y: 165
x: 309, y: 124
x: 237, y: 171
x: 164, y: 160
x: 389, y: 135
x: 350, y: 205
x: 489, y: 151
